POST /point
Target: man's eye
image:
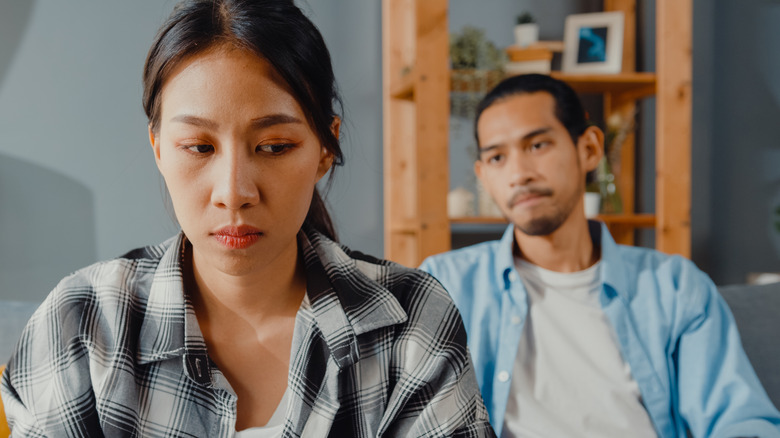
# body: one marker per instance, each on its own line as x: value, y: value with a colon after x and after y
x: 200, y: 148
x: 540, y: 144
x: 495, y: 159
x: 274, y: 149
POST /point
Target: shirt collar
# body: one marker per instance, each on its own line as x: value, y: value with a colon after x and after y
x: 346, y: 298
x: 163, y: 328
x: 505, y: 259
x: 614, y: 272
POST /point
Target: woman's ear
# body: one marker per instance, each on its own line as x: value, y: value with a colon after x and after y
x: 326, y: 161
x: 335, y: 127
x: 326, y: 156
x: 154, y: 141
x: 590, y: 148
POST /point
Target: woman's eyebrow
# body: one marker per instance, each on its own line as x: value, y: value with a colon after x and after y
x: 194, y: 120
x: 274, y: 119
x: 258, y: 123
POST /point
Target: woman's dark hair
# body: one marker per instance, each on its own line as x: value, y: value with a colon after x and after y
x: 568, y: 108
x: 275, y: 30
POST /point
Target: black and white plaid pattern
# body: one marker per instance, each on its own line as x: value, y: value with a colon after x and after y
x: 115, y: 350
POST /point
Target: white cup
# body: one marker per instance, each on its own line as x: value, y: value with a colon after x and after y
x: 592, y: 204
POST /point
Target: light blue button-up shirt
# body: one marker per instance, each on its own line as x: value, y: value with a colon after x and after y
x: 672, y: 327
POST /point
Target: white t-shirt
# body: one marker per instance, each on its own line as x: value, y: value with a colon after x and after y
x: 569, y: 378
x: 272, y: 429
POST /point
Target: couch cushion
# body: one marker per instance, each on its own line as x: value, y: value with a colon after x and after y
x: 13, y: 318
x: 757, y: 312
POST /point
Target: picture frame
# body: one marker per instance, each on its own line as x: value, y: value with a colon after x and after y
x: 593, y: 43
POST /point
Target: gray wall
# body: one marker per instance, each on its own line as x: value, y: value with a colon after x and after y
x: 70, y: 112
x: 744, y: 175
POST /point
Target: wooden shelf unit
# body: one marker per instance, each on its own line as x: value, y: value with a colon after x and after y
x: 416, y: 127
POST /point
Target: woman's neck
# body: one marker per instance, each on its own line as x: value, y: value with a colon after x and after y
x: 262, y: 295
x: 247, y: 322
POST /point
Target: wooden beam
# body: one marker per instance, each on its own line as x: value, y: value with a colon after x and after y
x: 674, y: 68
x: 616, y: 103
x: 432, y: 95
x: 400, y: 198
x: 415, y: 94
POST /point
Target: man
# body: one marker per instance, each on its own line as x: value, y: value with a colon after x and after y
x: 573, y: 335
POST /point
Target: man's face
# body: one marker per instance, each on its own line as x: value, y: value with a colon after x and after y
x: 529, y: 164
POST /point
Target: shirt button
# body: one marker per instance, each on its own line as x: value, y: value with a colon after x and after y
x: 503, y: 376
x: 512, y: 276
x: 516, y: 320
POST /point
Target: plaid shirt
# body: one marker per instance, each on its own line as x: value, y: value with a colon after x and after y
x: 116, y: 351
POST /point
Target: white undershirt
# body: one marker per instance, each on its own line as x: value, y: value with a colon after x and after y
x: 272, y: 429
x: 569, y: 379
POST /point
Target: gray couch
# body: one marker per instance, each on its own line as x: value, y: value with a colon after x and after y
x: 757, y: 312
x: 755, y: 308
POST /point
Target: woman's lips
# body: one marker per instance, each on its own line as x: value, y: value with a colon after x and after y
x: 238, y: 237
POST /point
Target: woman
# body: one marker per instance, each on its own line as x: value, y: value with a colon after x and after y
x: 252, y: 321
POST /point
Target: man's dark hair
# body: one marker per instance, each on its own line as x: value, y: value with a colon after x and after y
x: 568, y: 108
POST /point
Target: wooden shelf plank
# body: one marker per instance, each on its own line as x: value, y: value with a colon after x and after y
x: 630, y: 86
x: 639, y: 220
x: 636, y: 85
x: 477, y: 220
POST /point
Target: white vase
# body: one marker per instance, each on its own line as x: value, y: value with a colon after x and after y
x: 526, y: 34
x: 592, y: 204
x: 460, y: 203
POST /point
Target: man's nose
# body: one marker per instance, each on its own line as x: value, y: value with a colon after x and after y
x: 521, y: 168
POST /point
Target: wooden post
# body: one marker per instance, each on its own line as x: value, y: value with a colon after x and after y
x: 416, y: 128
x: 613, y: 103
x: 674, y: 68
x: 432, y: 97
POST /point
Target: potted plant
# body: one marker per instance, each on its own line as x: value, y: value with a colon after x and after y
x: 477, y: 66
x: 470, y: 49
x: 526, y: 30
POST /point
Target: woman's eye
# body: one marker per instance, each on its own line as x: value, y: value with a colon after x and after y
x: 274, y: 149
x: 200, y: 148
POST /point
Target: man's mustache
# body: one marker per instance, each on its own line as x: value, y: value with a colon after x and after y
x: 527, y: 191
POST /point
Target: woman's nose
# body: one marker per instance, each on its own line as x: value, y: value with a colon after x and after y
x: 234, y: 186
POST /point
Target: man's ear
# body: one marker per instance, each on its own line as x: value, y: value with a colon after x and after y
x: 590, y: 148
x: 154, y: 141
x: 478, y: 168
